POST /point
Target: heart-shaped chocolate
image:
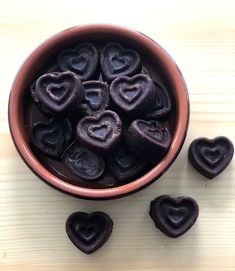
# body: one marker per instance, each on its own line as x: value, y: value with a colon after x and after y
x: 89, y: 232
x: 210, y: 156
x: 52, y: 137
x: 116, y: 61
x: 96, y: 97
x: 162, y: 105
x: 133, y: 95
x: 149, y: 140
x: 59, y: 93
x: 83, y: 60
x: 124, y: 165
x: 174, y: 216
x: 100, y: 132
x: 83, y: 162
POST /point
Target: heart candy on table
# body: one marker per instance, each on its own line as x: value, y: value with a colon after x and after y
x: 162, y: 106
x: 83, y: 162
x: 100, y: 132
x: 118, y: 61
x: 125, y: 165
x: 52, y: 137
x: 83, y: 60
x: 210, y: 156
x: 133, y: 95
x: 149, y: 140
x: 59, y: 93
x: 174, y: 216
x: 89, y: 232
x: 96, y: 97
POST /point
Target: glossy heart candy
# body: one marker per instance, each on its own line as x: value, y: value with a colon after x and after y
x: 174, y: 216
x: 162, y: 105
x: 96, y: 97
x: 59, y: 93
x: 83, y: 162
x: 83, y: 60
x: 124, y: 165
x: 52, y: 137
x: 149, y: 140
x: 133, y: 95
x: 89, y: 232
x: 116, y: 61
x: 211, y: 156
x: 101, y: 132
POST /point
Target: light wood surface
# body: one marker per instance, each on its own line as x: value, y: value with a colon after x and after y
x: 200, y: 36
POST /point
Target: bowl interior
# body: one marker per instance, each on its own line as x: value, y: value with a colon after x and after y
x: 43, y: 60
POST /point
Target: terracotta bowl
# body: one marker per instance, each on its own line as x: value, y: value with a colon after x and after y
x: 149, y: 50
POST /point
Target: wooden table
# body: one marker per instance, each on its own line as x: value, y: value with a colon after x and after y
x: 200, y: 35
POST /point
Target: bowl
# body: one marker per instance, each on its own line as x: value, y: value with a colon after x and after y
x: 154, y: 55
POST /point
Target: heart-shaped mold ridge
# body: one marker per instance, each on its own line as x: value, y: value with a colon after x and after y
x: 100, y: 132
x: 162, y: 105
x: 149, y: 140
x: 174, y: 216
x: 116, y: 61
x: 133, y: 95
x: 52, y: 137
x: 83, y: 162
x: 96, y: 97
x: 210, y: 156
x: 59, y: 93
x: 89, y: 232
x: 82, y: 60
x: 124, y: 165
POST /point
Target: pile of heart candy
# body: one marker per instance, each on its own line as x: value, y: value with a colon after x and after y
x: 120, y: 127
x: 123, y: 127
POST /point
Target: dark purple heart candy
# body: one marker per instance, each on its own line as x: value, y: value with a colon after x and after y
x: 211, y: 156
x: 58, y: 93
x: 162, y: 105
x: 133, y: 95
x: 124, y: 165
x: 41, y: 107
x: 149, y: 140
x: 83, y: 162
x: 83, y: 60
x: 89, y: 232
x: 174, y: 216
x: 117, y: 61
x: 52, y: 137
x: 101, y: 132
x: 96, y: 97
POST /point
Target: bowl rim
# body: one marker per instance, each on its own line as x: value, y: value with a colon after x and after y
x: 106, y: 193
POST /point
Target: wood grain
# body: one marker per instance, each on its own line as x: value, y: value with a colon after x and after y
x: 200, y: 35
